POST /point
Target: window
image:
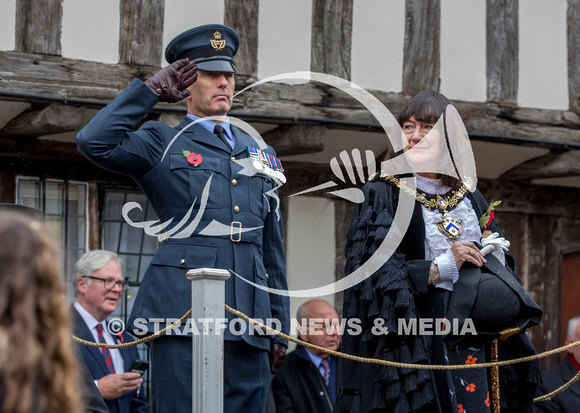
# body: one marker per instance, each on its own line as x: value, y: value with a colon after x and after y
x: 64, y: 204
x: 135, y: 248
x: 132, y: 244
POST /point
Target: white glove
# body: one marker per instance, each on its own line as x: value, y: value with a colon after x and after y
x: 495, y: 245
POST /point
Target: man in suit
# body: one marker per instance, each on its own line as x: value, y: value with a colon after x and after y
x: 307, y: 382
x: 214, y: 190
x: 98, y: 282
x: 569, y: 400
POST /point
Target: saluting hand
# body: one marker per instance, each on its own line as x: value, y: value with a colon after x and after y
x: 170, y: 83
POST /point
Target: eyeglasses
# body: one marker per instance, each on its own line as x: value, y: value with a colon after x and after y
x: 109, y: 283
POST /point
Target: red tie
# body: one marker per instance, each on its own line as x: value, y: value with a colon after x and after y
x: 104, y: 350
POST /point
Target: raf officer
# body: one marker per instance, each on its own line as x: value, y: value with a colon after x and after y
x: 220, y: 211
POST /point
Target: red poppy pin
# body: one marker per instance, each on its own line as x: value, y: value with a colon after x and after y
x: 193, y: 158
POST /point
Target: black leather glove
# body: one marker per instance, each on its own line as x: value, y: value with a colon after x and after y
x: 277, y: 356
x: 170, y: 83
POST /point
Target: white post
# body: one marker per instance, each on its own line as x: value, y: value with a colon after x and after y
x: 207, y: 302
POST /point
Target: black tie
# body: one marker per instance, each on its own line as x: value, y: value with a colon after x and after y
x: 219, y: 131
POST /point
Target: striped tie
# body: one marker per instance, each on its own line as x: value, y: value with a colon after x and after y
x: 325, y: 364
x: 104, y: 350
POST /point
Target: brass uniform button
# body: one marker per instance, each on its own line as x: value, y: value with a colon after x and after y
x: 236, y: 209
x: 233, y: 158
x: 182, y: 261
x: 234, y: 182
x: 267, y: 277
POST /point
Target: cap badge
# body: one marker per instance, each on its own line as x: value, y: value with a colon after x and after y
x: 217, y: 43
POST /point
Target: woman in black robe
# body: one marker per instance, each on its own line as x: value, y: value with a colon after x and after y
x: 430, y: 276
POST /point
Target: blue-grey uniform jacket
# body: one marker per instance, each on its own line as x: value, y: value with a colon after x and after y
x: 172, y: 184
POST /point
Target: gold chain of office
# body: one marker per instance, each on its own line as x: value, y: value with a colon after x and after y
x: 442, y: 202
x: 504, y: 335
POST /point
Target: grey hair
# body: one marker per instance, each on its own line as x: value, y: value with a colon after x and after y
x: 90, y: 262
x: 572, y: 324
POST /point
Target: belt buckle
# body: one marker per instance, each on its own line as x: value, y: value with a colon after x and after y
x: 239, y: 229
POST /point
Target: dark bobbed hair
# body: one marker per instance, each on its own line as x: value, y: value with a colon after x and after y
x: 427, y: 106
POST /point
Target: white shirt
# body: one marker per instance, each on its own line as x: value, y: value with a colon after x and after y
x: 437, y: 245
x: 91, y: 323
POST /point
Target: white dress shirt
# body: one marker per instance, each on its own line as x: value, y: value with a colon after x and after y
x: 437, y: 245
x: 92, y: 322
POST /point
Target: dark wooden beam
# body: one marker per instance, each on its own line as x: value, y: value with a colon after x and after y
x: 296, y: 139
x: 553, y: 165
x: 33, y: 76
x: 524, y: 198
x: 55, y: 76
x: 331, y: 37
x: 502, y: 51
x: 421, y: 54
x: 53, y: 159
x: 42, y: 120
x: 243, y: 18
x: 141, y: 32
x: 38, y: 26
x: 574, y: 54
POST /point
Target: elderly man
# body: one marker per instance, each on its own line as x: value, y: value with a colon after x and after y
x: 98, y: 282
x: 307, y: 382
x: 214, y: 189
x: 567, y: 401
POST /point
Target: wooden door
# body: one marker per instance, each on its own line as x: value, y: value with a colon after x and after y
x: 570, y: 292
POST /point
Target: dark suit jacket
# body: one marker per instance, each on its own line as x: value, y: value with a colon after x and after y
x: 155, y: 157
x: 129, y: 402
x: 92, y: 400
x: 299, y: 387
x: 567, y: 401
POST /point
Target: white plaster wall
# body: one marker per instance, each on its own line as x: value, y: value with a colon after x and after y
x: 543, y: 76
x: 181, y: 15
x: 310, y: 245
x: 463, y: 50
x: 7, y: 24
x: 378, y: 34
x: 90, y: 30
x: 284, y: 36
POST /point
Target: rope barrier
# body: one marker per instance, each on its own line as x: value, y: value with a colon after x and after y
x: 558, y: 390
x: 403, y: 365
x: 504, y: 336
x: 136, y: 342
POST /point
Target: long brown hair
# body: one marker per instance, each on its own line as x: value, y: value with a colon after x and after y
x: 426, y: 107
x: 38, y: 371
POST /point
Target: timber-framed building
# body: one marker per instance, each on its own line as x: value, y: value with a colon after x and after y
x: 511, y: 68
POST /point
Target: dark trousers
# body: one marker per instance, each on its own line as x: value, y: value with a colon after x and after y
x: 246, y: 376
